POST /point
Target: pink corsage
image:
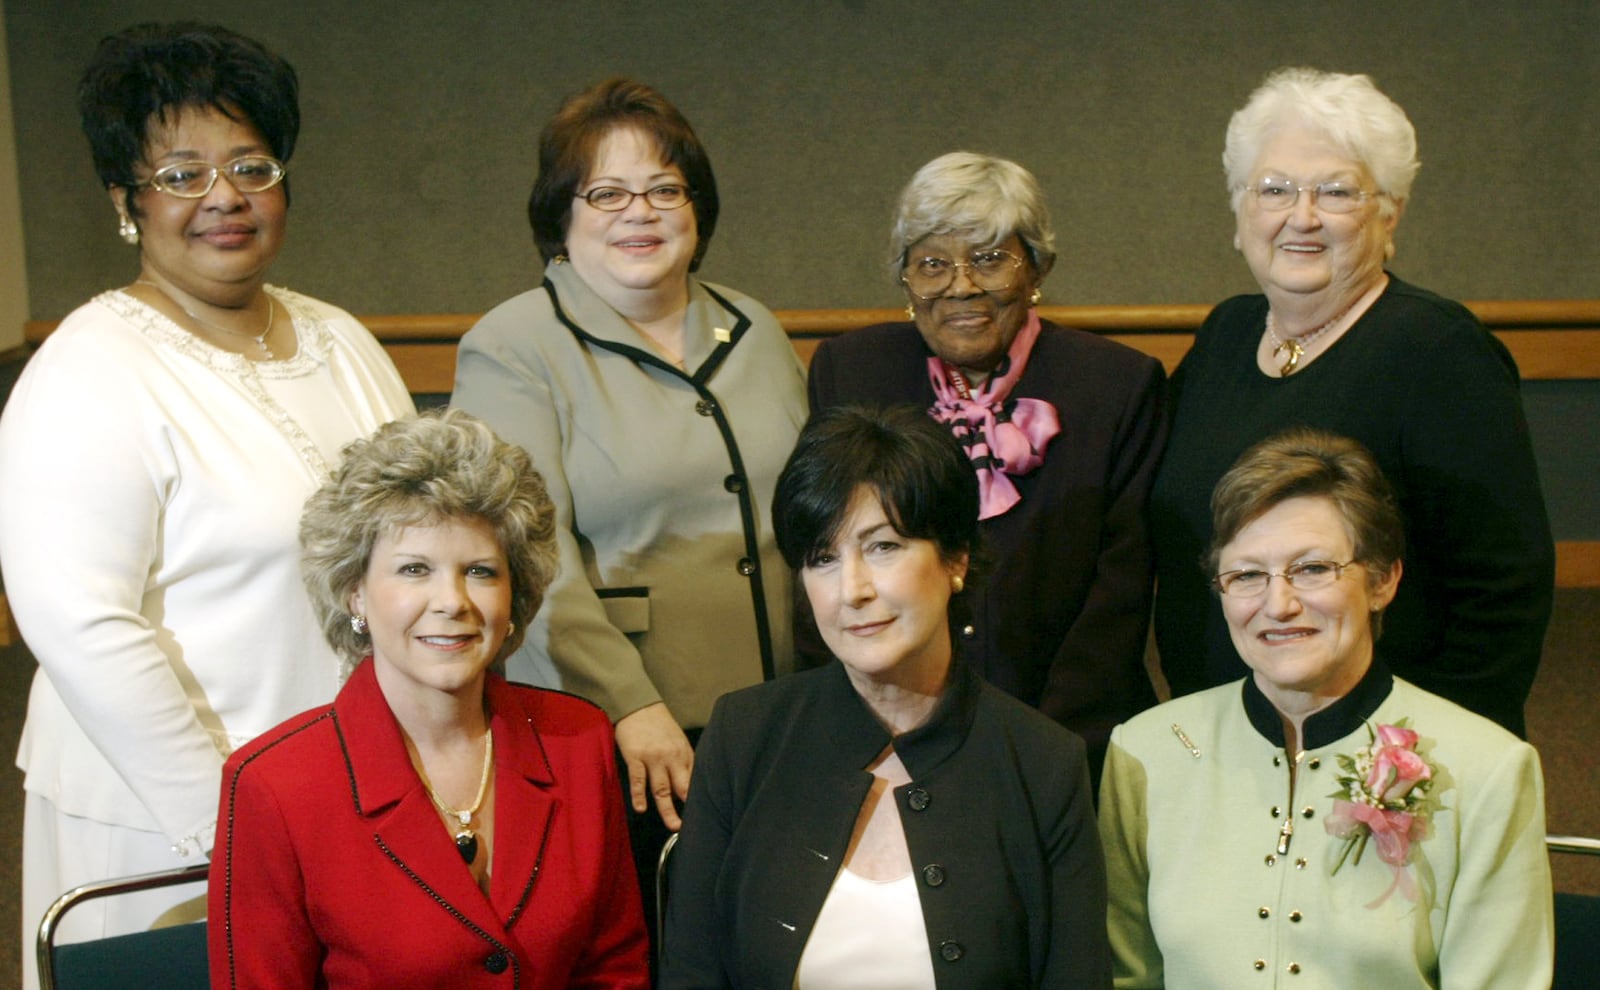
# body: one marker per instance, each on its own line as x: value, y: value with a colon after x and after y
x: 1380, y: 797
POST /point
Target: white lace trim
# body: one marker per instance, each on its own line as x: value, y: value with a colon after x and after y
x: 314, y: 341
x: 196, y: 843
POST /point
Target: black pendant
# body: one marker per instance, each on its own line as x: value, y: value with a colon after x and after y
x: 467, y: 845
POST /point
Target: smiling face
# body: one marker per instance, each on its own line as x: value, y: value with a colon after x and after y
x: 640, y: 251
x: 1305, y: 251
x: 881, y: 600
x: 1303, y: 645
x: 437, y: 600
x: 966, y: 326
x: 216, y: 248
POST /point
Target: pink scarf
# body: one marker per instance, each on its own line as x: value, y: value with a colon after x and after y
x: 1002, y: 438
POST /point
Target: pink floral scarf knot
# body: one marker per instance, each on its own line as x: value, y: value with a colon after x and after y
x: 1004, y: 439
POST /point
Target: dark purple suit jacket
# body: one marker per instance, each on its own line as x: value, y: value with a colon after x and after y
x: 1059, y: 615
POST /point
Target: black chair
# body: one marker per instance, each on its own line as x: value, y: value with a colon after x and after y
x: 172, y: 958
x: 1577, y: 924
x: 661, y: 888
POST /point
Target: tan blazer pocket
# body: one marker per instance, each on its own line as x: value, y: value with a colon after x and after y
x: 627, y: 608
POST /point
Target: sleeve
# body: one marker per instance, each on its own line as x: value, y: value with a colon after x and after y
x: 1110, y: 630
x: 616, y: 956
x: 260, y: 933
x: 503, y: 384
x: 1136, y: 959
x: 693, y: 947
x: 1499, y: 924
x: 1079, y: 955
x: 81, y: 515
x: 1480, y: 537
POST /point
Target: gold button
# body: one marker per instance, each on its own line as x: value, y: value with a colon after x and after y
x: 1277, y: 761
x: 1263, y: 912
x: 1261, y: 964
x: 1294, y: 916
x: 1294, y: 967
x: 1307, y: 811
x: 1271, y: 860
x: 1300, y: 863
x: 1276, y: 811
x: 1316, y: 763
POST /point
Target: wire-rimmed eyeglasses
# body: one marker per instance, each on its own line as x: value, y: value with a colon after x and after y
x: 192, y: 180
x: 1304, y: 575
x: 992, y: 270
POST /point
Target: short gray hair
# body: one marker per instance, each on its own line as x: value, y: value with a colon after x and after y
x: 1347, y: 109
x: 981, y: 197
x: 439, y: 466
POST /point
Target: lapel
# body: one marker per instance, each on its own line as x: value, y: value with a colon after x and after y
x: 405, y: 826
x: 712, y: 325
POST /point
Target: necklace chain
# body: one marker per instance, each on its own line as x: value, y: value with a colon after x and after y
x: 466, y: 838
x: 259, y: 339
x: 1296, y: 346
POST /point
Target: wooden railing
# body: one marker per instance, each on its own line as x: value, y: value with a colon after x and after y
x: 1552, y: 340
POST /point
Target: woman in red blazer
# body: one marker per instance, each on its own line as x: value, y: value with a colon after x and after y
x: 436, y: 826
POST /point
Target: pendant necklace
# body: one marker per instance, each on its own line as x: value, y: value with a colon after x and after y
x: 466, y: 838
x: 1296, y: 346
x: 259, y: 339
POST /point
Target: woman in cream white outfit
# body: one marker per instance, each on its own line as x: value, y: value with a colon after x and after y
x: 156, y: 453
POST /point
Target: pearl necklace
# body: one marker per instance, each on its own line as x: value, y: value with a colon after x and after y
x: 466, y: 838
x: 259, y: 339
x: 1296, y: 346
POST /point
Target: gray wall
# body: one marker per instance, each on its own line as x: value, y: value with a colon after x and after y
x: 421, y: 120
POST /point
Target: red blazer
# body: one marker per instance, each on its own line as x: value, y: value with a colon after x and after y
x: 332, y: 869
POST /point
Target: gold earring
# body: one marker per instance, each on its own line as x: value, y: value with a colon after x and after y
x: 911, y: 311
x: 127, y: 229
x: 958, y: 584
x: 1037, y: 295
x: 511, y: 627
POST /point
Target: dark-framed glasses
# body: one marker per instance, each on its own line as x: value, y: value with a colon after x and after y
x: 1274, y: 194
x: 615, y: 199
x: 992, y: 270
x: 1305, y: 575
x: 192, y: 180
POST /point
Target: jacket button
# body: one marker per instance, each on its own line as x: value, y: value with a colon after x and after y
x: 496, y: 963
x: 919, y: 799
x: 1294, y: 967
x: 1308, y: 811
x: 733, y: 483
x: 951, y: 950
x: 1272, y: 860
x: 1295, y: 916
x: 933, y: 874
x: 1316, y: 764
x: 705, y: 407
x: 1263, y: 912
x: 967, y: 632
x: 1276, y: 811
x: 747, y: 566
x: 1260, y: 964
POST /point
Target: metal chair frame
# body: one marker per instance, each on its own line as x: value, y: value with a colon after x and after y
x: 51, y: 922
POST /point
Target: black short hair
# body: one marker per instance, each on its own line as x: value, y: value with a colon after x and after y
x: 149, y: 72
x: 570, y: 140
x: 918, y: 470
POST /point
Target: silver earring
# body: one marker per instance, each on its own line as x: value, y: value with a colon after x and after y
x: 127, y: 229
x: 358, y: 625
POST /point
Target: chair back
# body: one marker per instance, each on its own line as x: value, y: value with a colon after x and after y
x: 172, y: 958
x: 1577, y: 924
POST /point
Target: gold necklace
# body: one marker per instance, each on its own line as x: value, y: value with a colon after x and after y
x: 259, y: 339
x: 1296, y: 346
x: 466, y: 838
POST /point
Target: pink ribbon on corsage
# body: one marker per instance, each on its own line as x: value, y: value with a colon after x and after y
x: 1001, y: 438
x: 1392, y: 831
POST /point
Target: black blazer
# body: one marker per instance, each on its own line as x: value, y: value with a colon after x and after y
x: 1060, y: 618
x: 998, y: 818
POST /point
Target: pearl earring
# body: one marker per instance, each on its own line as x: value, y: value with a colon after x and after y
x: 127, y: 229
x: 958, y: 584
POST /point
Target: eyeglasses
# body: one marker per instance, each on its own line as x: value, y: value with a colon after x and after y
x: 992, y: 270
x: 614, y: 199
x: 1306, y: 575
x: 192, y: 180
x: 1274, y: 194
